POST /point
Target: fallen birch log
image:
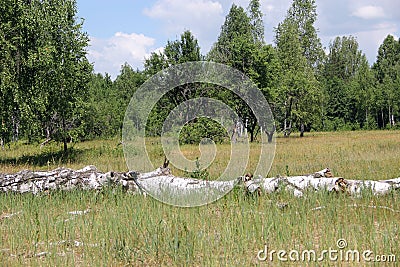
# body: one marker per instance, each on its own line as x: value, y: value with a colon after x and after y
x: 64, y: 179
x: 90, y: 177
x: 298, y: 184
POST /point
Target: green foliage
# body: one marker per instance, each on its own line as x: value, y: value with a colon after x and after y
x: 175, y: 52
x: 202, y: 130
x: 198, y: 173
x: 307, y: 90
x: 185, y: 49
x: 241, y: 45
x: 303, y: 14
x: 128, y: 229
x: 100, y: 119
x: 387, y: 75
x: 349, y: 86
x: 124, y: 87
x: 48, y: 90
x: 298, y: 97
x: 256, y: 21
x: 45, y: 72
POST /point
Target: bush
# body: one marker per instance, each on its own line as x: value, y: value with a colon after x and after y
x: 201, y: 129
x: 339, y: 124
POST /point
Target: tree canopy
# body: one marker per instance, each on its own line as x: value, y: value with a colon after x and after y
x: 48, y: 90
x: 44, y: 72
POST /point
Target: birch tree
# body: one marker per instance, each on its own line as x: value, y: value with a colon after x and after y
x: 387, y: 74
x: 298, y: 97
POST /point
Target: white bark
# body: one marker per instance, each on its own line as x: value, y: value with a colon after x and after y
x: 91, y: 178
x: 298, y: 184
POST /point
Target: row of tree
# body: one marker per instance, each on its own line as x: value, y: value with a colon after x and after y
x: 44, y: 72
x: 48, y: 89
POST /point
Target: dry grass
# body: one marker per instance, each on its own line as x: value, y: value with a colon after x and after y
x: 123, y: 229
x: 359, y: 155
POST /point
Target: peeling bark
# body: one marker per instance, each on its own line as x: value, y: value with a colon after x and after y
x: 90, y: 178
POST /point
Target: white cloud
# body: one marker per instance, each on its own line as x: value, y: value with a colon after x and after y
x: 369, y: 12
x: 183, y: 9
x: 109, y: 54
x: 369, y: 21
x: 274, y: 12
x: 202, y: 17
x: 370, y: 40
x: 269, y: 8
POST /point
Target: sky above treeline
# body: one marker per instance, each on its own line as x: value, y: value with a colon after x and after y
x: 129, y: 30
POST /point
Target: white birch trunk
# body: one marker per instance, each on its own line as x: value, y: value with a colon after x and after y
x: 91, y: 178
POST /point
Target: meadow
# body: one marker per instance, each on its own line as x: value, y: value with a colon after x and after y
x: 120, y: 229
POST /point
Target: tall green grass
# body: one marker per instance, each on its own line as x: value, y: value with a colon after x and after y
x: 123, y: 229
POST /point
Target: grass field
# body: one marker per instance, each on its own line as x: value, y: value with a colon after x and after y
x: 122, y: 229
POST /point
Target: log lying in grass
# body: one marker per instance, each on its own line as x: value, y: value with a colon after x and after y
x: 90, y: 177
x: 64, y: 179
x: 298, y: 184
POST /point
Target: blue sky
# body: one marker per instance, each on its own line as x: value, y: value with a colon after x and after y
x: 129, y: 30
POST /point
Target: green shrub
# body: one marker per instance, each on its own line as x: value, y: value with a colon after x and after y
x: 202, y: 130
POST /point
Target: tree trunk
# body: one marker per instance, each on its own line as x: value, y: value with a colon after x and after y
x: 288, y: 113
x: 65, y: 144
x: 64, y: 135
x: 89, y: 178
x: 15, y: 128
x: 302, y: 130
x: 285, y: 121
x: 270, y: 134
x: 287, y: 130
x: 252, y: 130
